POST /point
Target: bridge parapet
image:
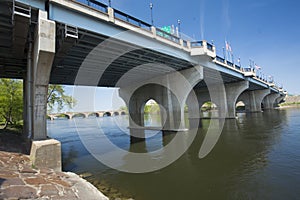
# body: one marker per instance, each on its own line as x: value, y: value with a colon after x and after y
x: 199, y: 48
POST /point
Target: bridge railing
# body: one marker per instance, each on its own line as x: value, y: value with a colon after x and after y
x: 197, y: 44
x: 210, y: 47
x: 222, y: 60
x: 230, y: 64
x: 132, y: 20
x: 95, y: 4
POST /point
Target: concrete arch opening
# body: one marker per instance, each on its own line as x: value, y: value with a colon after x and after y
x: 152, y: 114
x: 93, y: 115
x: 63, y: 116
x: 107, y: 114
x: 209, y: 110
x: 240, y: 107
x: 123, y: 113
x: 116, y: 113
x: 79, y: 115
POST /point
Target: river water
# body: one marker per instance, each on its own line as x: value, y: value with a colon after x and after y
x: 256, y: 157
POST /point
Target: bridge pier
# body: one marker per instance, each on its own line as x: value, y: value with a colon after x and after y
x: 225, y: 102
x: 44, y: 153
x: 233, y: 91
x: 253, y: 99
x: 39, y: 67
x: 169, y: 91
x: 270, y: 100
x: 279, y: 99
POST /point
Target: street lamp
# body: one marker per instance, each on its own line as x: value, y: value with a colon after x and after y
x: 179, y: 22
x: 151, y: 9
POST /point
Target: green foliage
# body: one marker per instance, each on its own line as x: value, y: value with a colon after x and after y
x: 207, y: 106
x: 123, y: 108
x: 11, y: 101
x: 152, y: 109
x: 58, y: 99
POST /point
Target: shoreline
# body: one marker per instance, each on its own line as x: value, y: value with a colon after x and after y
x: 289, y: 106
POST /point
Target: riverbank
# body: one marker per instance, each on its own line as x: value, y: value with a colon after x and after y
x: 20, y: 180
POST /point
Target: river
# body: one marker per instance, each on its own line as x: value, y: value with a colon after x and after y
x: 256, y: 157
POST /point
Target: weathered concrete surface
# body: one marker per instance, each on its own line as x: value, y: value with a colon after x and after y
x: 46, y: 153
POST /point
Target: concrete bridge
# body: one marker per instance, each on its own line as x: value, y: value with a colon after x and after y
x: 88, y: 43
x: 71, y: 115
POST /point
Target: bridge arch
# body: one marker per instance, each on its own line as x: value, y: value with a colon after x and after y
x: 116, y: 113
x: 151, y: 113
x: 240, y: 106
x: 107, y: 114
x: 79, y: 115
x: 64, y: 115
x: 209, y: 109
x: 123, y: 113
x: 94, y: 114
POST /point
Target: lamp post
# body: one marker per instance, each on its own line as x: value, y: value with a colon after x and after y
x: 151, y: 10
x: 109, y: 3
x: 179, y: 22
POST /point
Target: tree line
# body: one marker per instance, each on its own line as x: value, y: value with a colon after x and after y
x: 11, y: 101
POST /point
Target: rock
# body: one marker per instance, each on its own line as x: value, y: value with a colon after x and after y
x: 20, y: 192
x: 86, y: 175
x: 35, y: 181
x: 12, y: 181
x: 48, y: 190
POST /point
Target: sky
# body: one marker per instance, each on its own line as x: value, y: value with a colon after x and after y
x: 265, y: 31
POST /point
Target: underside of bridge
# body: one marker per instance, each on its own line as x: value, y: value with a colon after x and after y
x: 42, y: 51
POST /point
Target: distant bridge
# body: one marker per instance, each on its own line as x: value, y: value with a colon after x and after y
x: 71, y: 115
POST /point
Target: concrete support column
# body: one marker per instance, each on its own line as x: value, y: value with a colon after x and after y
x: 233, y: 91
x: 278, y: 100
x: 43, y: 55
x: 169, y: 91
x: 253, y: 99
x: 269, y: 100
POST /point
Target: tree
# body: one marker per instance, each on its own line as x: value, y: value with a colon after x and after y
x: 58, y: 99
x: 11, y: 101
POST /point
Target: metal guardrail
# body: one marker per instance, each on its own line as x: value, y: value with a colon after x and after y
x: 132, y: 20
x: 95, y: 4
x: 222, y: 60
x: 197, y: 44
x: 230, y: 64
x: 248, y: 69
x: 238, y: 67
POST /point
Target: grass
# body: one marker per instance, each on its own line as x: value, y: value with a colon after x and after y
x: 289, y: 104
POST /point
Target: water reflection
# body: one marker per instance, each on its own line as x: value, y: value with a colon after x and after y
x: 256, y: 157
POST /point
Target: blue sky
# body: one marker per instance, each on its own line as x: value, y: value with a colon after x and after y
x: 265, y: 31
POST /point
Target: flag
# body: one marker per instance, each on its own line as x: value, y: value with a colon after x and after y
x: 228, y: 47
x: 257, y: 67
